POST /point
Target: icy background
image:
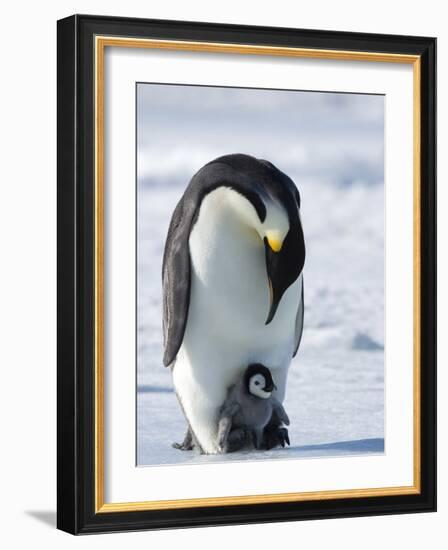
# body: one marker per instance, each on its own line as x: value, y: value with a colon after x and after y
x: 332, y: 146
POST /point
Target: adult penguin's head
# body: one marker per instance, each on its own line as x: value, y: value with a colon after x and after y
x: 267, y: 201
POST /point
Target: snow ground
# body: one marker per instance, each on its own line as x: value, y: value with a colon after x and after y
x: 332, y: 147
x: 335, y: 391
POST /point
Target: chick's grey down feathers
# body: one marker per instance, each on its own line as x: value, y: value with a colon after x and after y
x: 244, y: 411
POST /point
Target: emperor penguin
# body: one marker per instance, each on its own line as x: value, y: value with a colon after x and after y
x: 232, y: 288
x: 248, y: 409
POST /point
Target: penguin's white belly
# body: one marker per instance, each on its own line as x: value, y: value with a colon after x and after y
x: 226, y: 329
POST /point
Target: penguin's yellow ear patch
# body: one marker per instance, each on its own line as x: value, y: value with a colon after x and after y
x: 274, y: 240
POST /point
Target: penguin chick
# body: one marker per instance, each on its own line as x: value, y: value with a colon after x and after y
x: 249, y: 408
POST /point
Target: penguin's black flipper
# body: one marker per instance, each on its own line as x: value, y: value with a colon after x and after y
x: 176, y: 280
x: 299, y: 322
x: 280, y: 411
x: 283, y: 436
x: 275, y: 433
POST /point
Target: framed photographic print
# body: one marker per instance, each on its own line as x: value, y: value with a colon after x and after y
x: 246, y: 274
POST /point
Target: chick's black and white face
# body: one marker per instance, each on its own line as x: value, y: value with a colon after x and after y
x: 258, y: 387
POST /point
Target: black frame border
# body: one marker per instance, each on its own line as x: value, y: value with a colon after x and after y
x: 75, y: 273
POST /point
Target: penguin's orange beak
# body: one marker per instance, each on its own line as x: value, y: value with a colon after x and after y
x: 274, y: 240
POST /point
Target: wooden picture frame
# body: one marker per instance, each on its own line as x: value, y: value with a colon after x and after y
x: 82, y: 41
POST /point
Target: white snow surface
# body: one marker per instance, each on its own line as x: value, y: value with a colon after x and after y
x: 335, y: 389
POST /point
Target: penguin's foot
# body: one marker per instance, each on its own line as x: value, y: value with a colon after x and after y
x: 182, y: 446
x: 236, y: 440
x: 187, y: 444
x: 275, y: 436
